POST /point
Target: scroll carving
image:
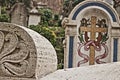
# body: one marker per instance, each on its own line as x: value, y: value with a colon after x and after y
x: 14, y: 55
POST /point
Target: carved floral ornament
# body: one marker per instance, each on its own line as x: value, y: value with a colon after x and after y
x: 16, y: 57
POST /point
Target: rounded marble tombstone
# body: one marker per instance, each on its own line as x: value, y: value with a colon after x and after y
x: 25, y: 53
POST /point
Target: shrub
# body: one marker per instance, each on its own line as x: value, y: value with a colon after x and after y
x: 4, y: 18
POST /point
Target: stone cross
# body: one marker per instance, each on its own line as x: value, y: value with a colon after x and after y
x: 93, y: 29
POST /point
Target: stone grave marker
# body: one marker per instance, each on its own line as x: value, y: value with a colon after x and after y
x: 92, y: 34
x: 24, y: 54
x: 19, y: 14
x: 34, y: 17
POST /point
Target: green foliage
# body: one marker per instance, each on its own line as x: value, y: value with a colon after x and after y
x: 4, y: 18
x: 2, y: 2
x: 46, y: 16
x: 76, y: 2
x: 3, y: 10
x: 56, y: 17
x: 10, y: 3
x: 60, y: 66
x: 7, y: 3
x: 66, y: 2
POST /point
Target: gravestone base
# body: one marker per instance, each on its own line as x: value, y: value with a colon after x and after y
x: 13, y: 78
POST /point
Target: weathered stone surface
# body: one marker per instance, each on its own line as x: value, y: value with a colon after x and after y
x: 96, y: 72
x: 24, y: 53
x: 19, y: 15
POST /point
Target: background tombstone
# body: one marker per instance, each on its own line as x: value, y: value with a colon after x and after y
x: 86, y: 45
x: 19, y: 15
x: 24, y: 54
x: 34, y: 17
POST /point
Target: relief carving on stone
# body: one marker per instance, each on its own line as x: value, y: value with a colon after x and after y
x: 15, y: 55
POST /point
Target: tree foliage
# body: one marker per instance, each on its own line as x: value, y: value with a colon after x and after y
x: 10, y: 3
x: 69, y: 5
x: 48, y: 18
x: 7, y: 3
x: 4, y: 18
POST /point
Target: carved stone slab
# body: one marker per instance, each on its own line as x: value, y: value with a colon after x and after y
x: 24, y: 53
